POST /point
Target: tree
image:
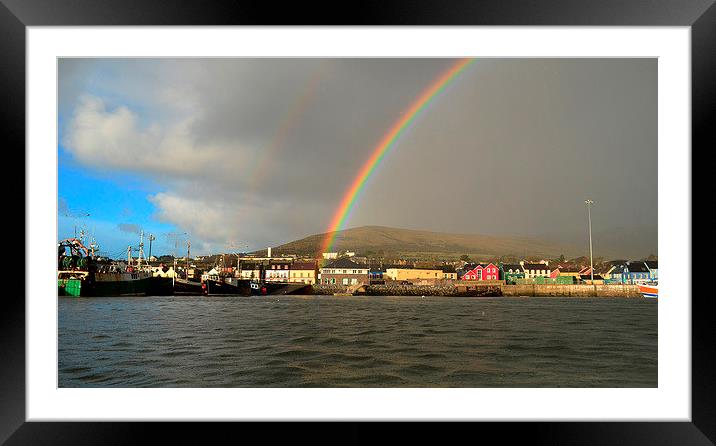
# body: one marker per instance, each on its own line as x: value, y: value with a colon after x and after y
x: 561, y: 258
x: 465, y: 258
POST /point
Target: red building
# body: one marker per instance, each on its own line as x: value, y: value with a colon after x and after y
x: 483, y: 272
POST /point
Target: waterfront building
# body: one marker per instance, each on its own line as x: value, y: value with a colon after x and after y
x: 376, y: 275
x: 249, y: 271
x: 448, y: 272
x: 611, y: 270
x: 533, y: 270
x: 587, y: 279
x: 618, y: 273
x: 636, y: 273
x: 568, y: 270
x: 407, y: 274
x: 303, y: 272
x: 483, y: 272
x: 277, y: 271
x: 345, y: 271
x: 511, y: 272
x: 212, y: 274
x: 163, y: 271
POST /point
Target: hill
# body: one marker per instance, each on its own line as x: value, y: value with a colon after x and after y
x: 388, y: 242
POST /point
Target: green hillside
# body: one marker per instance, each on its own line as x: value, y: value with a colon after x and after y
x: 388, y: 242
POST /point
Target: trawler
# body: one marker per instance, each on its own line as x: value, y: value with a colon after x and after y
x: 81, y: 273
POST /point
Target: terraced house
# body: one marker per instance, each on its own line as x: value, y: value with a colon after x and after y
x: 345, y: 271
x: 533, y: 270
x: 303, y: 272
x: 483, y: 272
x: 636, y: 273
x: 511, y: 272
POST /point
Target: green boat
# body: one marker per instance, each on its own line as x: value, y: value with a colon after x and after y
x: 80, y: 273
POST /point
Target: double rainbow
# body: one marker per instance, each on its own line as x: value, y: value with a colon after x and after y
x: 382, y: 149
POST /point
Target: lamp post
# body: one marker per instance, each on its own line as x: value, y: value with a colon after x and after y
x: 151, y: 239
x: 589, y: 204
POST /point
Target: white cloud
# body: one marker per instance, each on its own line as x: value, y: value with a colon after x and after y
x: 115, y: 139
x: 220, y: 221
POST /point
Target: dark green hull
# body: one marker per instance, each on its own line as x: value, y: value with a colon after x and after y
x: 69, y: 287
x: 116, y: 288
x: 89, y: 288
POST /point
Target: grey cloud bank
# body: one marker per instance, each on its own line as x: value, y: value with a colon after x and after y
x: 262, y: 150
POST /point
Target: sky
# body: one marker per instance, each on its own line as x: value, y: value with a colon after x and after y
x: 241, y: 154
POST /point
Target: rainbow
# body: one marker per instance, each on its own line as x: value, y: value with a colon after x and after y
x: 386, y: 143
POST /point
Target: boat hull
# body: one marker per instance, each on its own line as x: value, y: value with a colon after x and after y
x: 649, y: 291
x: 216, y: 288
x: 69, y: 287
x: 106, y: 285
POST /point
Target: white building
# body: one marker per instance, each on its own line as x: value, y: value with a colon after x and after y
x: 163, y: 271
x: 533, y: 270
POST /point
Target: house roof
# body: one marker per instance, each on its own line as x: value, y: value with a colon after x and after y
x: 447, y: 269
x: 511, y: 266
x: 569, y: 268
x: 399, y: 267
x: 652, y: 264
x: 537, y: 266
x: 345, y: 262
x: 638, y: 267
x: 606, y: 267
x: 304, y: 266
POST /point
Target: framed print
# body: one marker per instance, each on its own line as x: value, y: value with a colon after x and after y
x: 443, y: 212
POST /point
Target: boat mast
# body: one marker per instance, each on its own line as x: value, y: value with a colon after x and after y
x: 141, y: 248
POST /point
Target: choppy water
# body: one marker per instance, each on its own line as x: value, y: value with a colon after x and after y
x: 322, y: 341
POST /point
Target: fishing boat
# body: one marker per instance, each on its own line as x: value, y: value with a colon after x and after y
x: 81, y: 273
x: 225, y: 286
x: 650, y: 290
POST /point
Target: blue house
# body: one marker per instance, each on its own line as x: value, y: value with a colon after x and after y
x: 614, y: 271
x: 636, y: 272
x: 376, y: 275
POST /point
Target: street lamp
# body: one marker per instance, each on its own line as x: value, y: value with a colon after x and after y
x: 589, y: 204
x: 151, y: 239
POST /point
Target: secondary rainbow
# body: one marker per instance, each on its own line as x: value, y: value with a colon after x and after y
x: 382, y: 149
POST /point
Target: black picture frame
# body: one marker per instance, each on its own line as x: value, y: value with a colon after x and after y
x: 700, y: 15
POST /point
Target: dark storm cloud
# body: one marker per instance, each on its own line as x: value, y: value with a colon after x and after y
x: 270, y: 145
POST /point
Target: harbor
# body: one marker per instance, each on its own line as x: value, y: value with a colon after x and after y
x: 357, y: 222
x: 83, y: 273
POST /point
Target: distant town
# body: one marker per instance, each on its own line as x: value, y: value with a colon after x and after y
x: 347, y: 268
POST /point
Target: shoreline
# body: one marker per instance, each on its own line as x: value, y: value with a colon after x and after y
x: 486, y: 290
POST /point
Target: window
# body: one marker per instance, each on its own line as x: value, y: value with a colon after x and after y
x: 345, y: 281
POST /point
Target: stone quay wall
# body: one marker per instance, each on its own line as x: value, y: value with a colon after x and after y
x: 411, y: 290
x: 532, y: 290
x: 612, y: 290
